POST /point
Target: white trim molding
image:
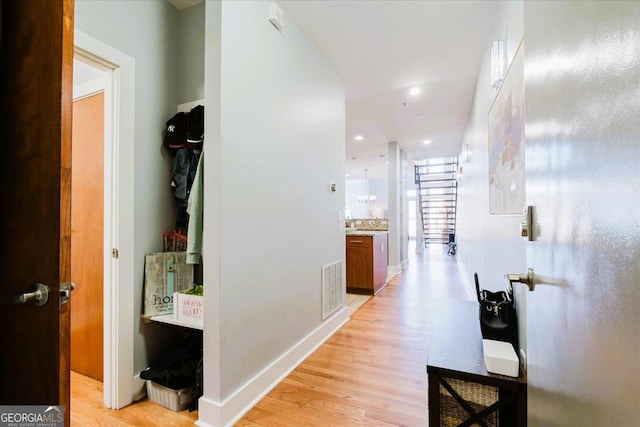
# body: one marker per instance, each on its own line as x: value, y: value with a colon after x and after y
x: 216, y: 414
x: 119, y: 320
x: 393, y: 270
x: 88, y: 89
x: 468, y: 285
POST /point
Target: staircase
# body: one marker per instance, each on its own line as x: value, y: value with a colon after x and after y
x: 436, y: 196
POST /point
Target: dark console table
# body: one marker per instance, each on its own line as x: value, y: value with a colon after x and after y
x: 461, y: 391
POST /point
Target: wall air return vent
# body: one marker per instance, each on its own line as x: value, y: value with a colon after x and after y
x: 332, y: 288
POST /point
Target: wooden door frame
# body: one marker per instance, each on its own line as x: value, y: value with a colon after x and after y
x: 121, y: 384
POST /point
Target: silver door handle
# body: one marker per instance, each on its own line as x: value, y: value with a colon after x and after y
x: 526, y: 279
x: 38, y: 297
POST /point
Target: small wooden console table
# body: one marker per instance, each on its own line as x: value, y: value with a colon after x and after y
x: 457, y: 373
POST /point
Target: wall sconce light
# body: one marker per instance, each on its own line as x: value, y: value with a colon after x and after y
x: 498, y: 62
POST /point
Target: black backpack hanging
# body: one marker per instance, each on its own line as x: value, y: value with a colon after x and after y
x: 498, y: 320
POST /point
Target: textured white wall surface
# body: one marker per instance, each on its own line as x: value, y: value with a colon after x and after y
x: 582, y: 133
x: 489, y: 244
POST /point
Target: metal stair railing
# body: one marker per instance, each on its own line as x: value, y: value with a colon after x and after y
x: 437, y: 197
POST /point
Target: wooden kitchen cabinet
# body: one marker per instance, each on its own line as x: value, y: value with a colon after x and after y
x: 366, y: 262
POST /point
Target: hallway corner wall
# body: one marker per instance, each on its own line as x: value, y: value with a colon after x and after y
x: 490, y: 245
x: 274, y: 107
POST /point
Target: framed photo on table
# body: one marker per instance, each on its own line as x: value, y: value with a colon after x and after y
x: 506, y: 142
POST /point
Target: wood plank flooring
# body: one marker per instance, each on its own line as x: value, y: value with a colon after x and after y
x: 370, y: 373
x: 87, y: 409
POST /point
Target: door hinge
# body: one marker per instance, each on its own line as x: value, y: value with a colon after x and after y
x: 114, y: 253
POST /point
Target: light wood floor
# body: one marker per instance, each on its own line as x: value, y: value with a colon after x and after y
x: 370, y: 373
x: 87, y: 409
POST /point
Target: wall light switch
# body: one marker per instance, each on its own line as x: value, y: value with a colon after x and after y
x: 276, y: 16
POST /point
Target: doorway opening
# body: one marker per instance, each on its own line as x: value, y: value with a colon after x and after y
x: 89, y: 225
x: 116, y: 70
x: 88, y: 205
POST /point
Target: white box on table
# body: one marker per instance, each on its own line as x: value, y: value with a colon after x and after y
x: 500, y: 358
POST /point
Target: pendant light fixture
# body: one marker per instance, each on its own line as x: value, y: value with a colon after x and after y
x: 366, y: 198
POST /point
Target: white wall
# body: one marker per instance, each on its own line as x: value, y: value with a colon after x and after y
x: 146, y: 31
x: 191, y: 54
x: 489, y: 244
x: 281, y: 105
x: 408, y: 180
x: 398, y: 228
x: 270, y: 220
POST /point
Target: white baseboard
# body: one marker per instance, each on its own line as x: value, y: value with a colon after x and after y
x: 466, y: 280
x: 200, y: 407
x: 212, y: 413
x: 392, y: 270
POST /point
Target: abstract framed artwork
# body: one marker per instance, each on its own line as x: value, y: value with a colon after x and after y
x: 506, y: 142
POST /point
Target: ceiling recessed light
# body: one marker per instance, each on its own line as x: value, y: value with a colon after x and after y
x: 415, y: 91
x: 358, y: 137
x: 348, y: 174
x: 421, y: 116
x: 426, y: 142
x: 386, y: 163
